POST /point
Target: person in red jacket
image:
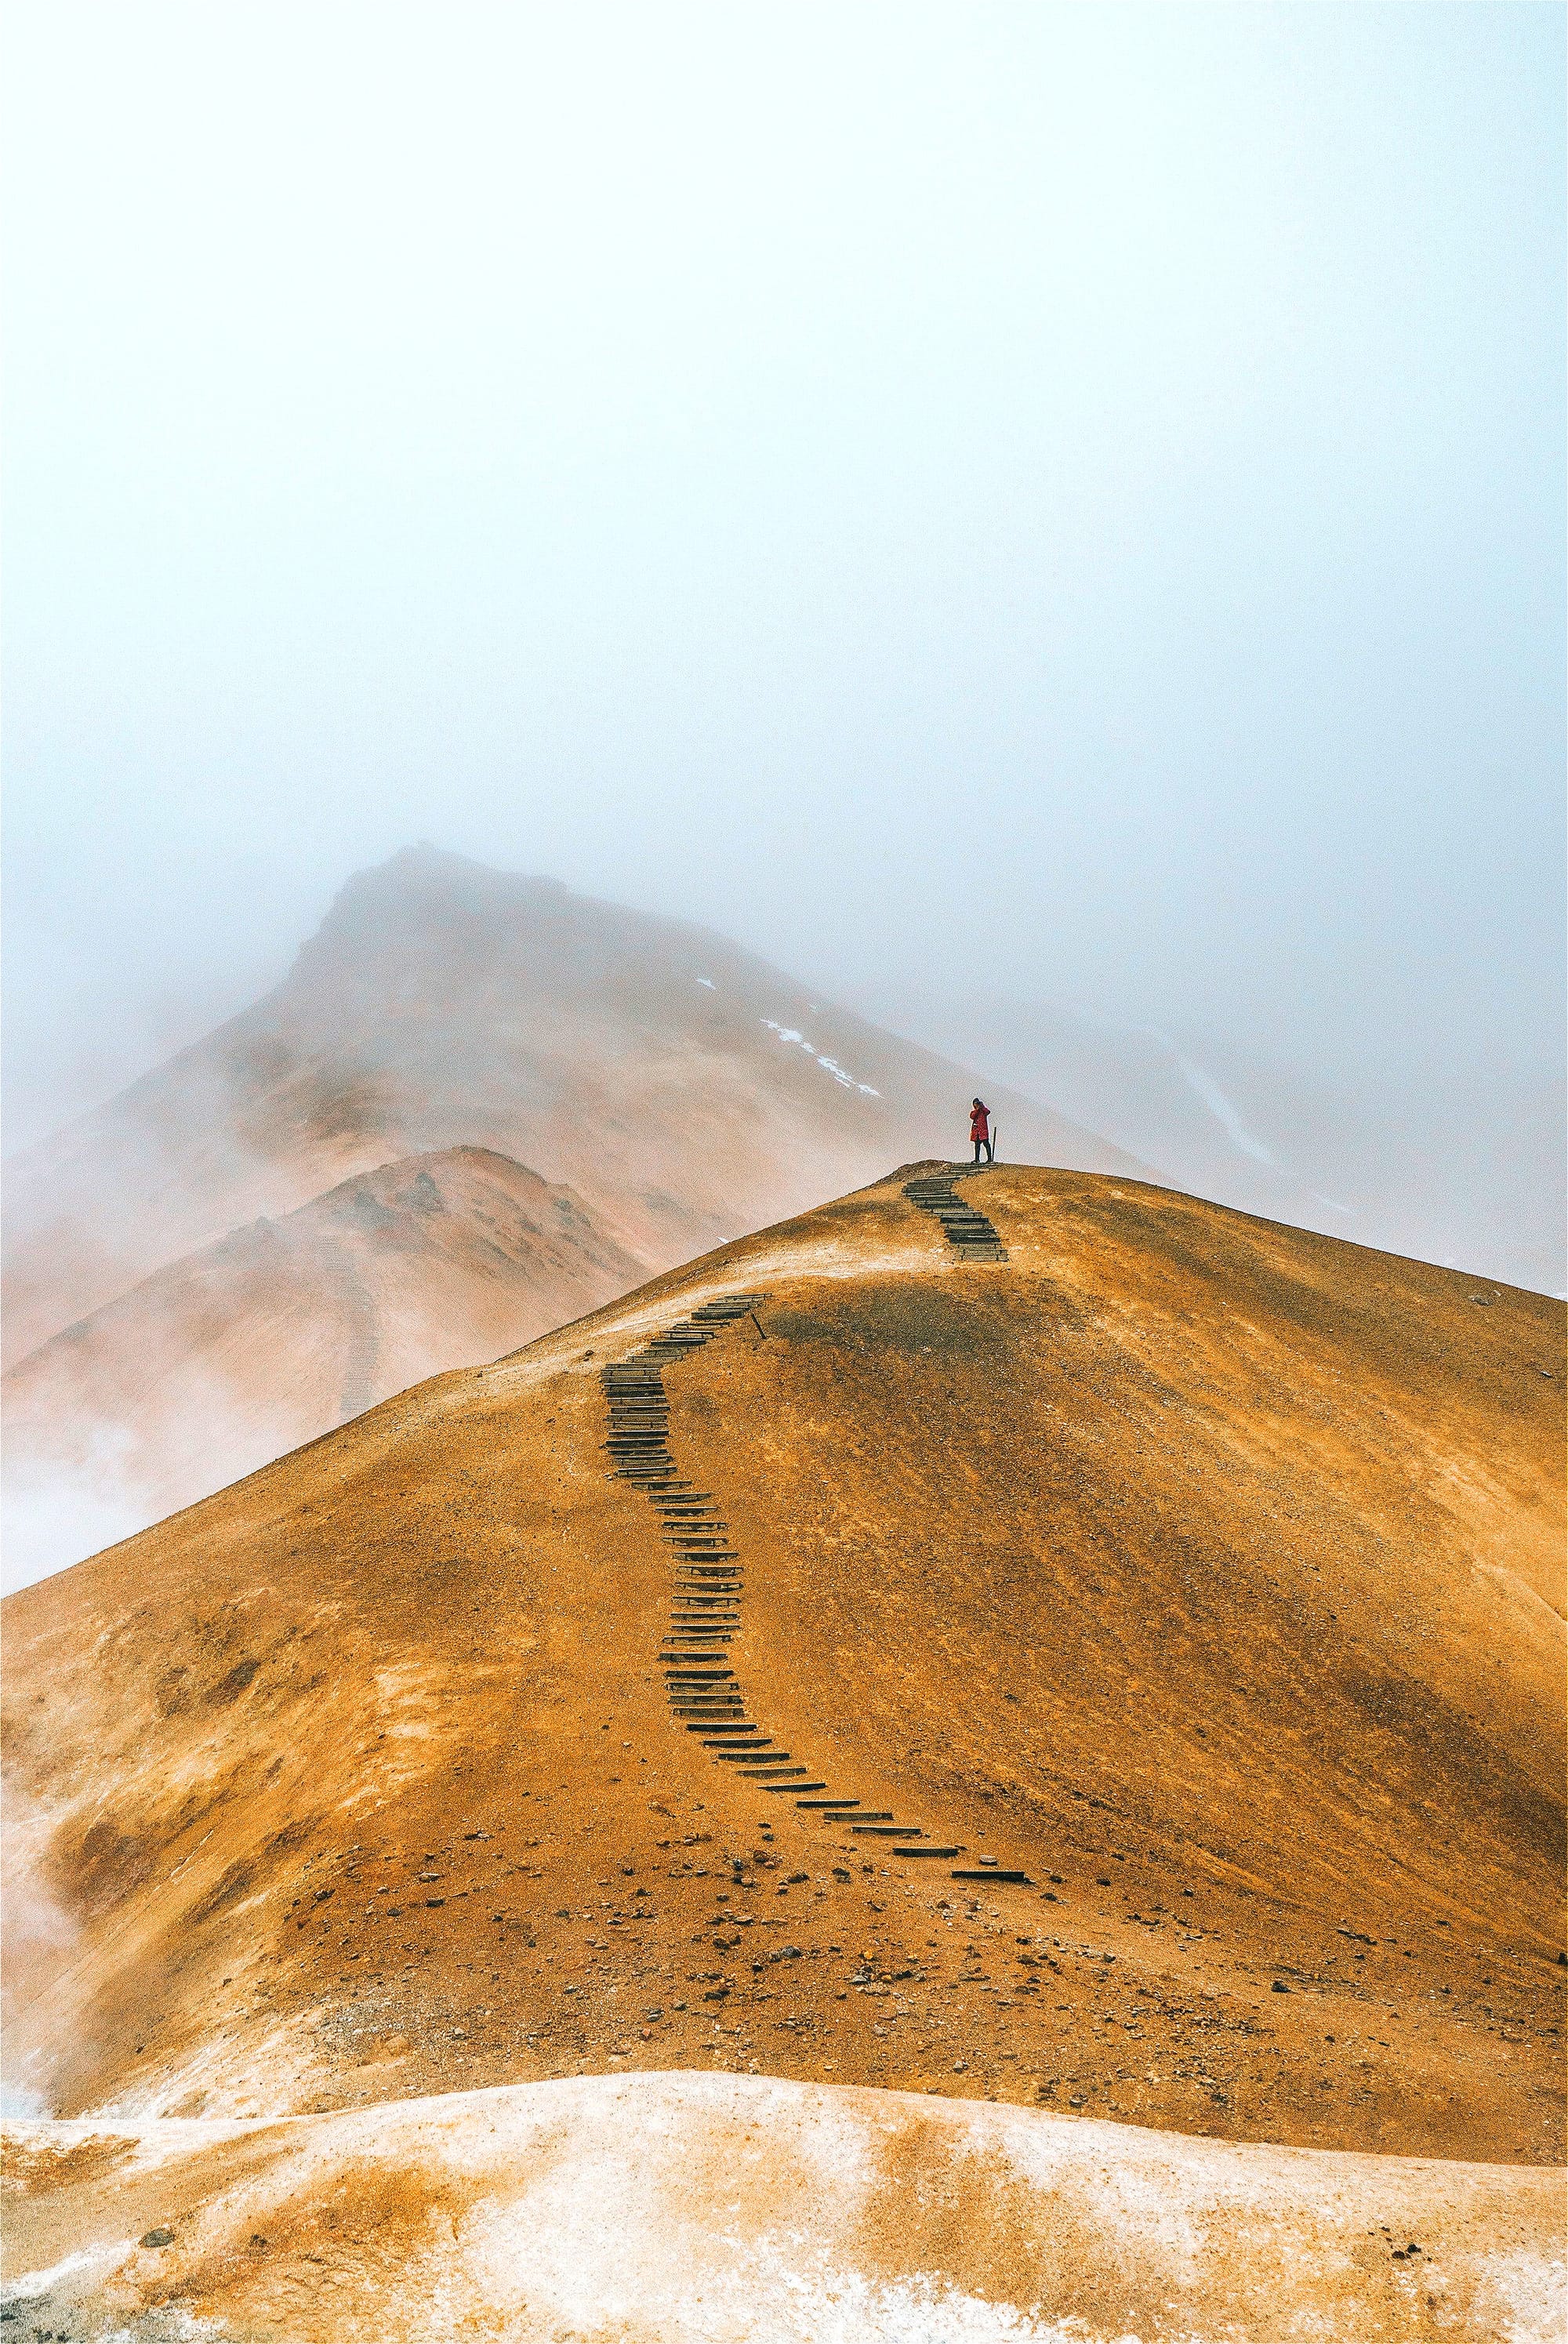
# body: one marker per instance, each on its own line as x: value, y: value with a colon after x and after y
x: 980, y: 1130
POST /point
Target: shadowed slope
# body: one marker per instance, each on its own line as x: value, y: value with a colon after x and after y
x: 1203, y: 1571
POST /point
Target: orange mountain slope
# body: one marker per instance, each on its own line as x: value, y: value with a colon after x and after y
x: 683, y: 1089
x: 214, y: 1366
x: 1205, y: 1572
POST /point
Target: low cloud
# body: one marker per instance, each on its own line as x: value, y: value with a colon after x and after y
x: 49, y: 1523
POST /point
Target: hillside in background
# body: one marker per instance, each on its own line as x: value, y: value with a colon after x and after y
x: 684, y: 1091
x: 1460, y: 1164
x: 173, y: 1316
x: 222, y: 1361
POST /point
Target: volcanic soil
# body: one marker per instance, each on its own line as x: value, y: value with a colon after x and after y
x: 1203, y: 1572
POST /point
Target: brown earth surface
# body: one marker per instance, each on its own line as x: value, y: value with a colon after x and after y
x: 683, y: 1089
x: 218, y: 1363
x: 1205, y: 1570
x: 722, y: 2209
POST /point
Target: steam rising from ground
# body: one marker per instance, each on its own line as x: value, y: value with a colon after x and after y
x: 40, y: 1937
x: 56, y: 1514
x: 48, y: 1523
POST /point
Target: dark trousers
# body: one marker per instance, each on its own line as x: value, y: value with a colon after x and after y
x: 987, y: 1146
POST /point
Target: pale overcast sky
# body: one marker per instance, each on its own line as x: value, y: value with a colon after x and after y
x: 1063, y: 498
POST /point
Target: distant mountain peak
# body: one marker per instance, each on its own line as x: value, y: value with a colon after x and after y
x: 424, y: 863
x: 685, y: 1089
x: 425, y: 877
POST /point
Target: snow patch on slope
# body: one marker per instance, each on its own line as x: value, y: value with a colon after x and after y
x: 1220, y: 1107
x: 839, y: 1073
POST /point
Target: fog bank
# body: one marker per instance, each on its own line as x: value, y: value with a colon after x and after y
x: 1057, y: 503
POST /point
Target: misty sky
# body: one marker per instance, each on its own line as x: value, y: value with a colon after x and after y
x: 1066, y: 500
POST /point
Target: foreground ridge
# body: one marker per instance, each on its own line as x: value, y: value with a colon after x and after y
x: 728, y: 2208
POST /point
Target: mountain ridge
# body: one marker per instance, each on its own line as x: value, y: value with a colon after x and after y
x: 442, y: 1003
x: 282, y: 1329
x: 1097, y: 1558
